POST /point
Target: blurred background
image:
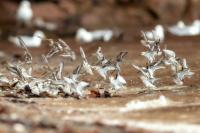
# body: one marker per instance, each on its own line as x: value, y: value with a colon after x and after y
x: 127, y: 16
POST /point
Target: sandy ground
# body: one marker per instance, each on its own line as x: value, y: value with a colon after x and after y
x: 179, y: 112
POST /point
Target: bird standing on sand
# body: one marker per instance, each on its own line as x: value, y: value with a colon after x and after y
x: 24, y: 13
x: 30, y: 41
x: 74, y: 83
x: 180, y: 29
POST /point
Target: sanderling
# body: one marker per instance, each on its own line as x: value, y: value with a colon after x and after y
x: 30, y: 41
x: 24, y: 12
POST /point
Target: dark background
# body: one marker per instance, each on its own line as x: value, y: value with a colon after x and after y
x: 129, y: 15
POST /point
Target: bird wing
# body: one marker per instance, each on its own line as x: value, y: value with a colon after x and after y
x: 120, y: 56
x: 87, y: 67
x: 68, y: 80
x: 184, y: 64
x: 149, y: 55
x: 136, y: 67
x: 82, y: 85
x: 169, y: 53
x: 82, y: 53
x: 102, y: 72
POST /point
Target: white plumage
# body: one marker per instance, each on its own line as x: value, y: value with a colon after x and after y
x: 184, y: 63
x: 118, y: 82
x: 100, y: 57
x: 184, y: 72
x: 85, y: 64
x: 3, y: 79
x: 142, y: 70
x: 80, y: 86
x: 180, y: 29
x: 148, y: 82
x: 169, y: 53
x: 158, y: 31
x: 148, y: 71
x: 179, y: 76
x: 147, y: 74
x: 30, y: 41
x: 149, y: 55
x: 103, y: 70
x: 85, y: 36
x: 170, y: 59
x: 99, y: 54
x: 24, y: 12
x: 76, y: 86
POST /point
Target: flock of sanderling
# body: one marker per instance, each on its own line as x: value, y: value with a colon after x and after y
x: 55, y: 82
x: 157, y: 59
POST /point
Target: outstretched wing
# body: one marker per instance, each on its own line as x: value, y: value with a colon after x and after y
x: 82, y: 53
x: 120, y: 56
x: 27, y: 54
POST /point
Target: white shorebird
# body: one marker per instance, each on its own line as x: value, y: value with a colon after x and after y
x: 152, y: 43
x: 80, y: 86
x: 24, y: 12
x: 74, y: 83
x: 30, y: 41
x: 158, y: 31
x: 180, y: 75
x: 117, y: 82
x: 147, y: 74
x: 184, y: 72
x: 148, y: 71
x: 180, y: 29
x: 76, y: 86
x: 85, y: 36
x: 170, y: 59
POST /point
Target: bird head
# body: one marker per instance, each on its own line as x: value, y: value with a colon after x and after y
x: 159, y: 28
x: 181, y: 24
x: 81, y: 32
x: 39, y: 34
x: 25, y: 3
x: 196, y: 23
